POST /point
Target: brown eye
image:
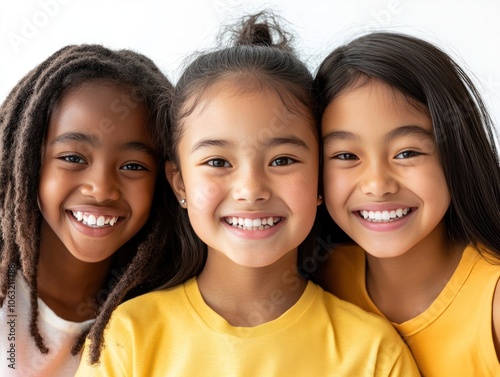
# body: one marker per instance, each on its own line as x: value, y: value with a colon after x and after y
x: 282, y: 161
x: 345, y: 156
x: 407, y: 154
x: 218, y: 163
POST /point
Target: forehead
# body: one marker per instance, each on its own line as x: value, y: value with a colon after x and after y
x: 374, y: 107
x: 101, y: 108
x: 247, y: 112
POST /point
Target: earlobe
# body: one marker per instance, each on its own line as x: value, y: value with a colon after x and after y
x: 174, y: 178
x: 319, y: 201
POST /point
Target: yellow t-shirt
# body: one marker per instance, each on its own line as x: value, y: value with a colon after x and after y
x: 453, y: 337
x: 174, y: 333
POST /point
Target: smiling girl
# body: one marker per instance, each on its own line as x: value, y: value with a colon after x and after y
x: 244, y: 166
x: 411, y: 174
x: 79, y: 202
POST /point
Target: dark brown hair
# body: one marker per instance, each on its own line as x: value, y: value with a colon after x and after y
x: 143, y: 262
x: 463, y: 129
x: 259, y: 56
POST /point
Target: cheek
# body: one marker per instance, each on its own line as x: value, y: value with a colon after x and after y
x: 436, y: 191
x: 202, y: 193
x: 48, y: 189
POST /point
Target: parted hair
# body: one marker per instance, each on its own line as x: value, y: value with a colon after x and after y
x: 143, y: 262
x: 259, y: 56
x: 463, y: 129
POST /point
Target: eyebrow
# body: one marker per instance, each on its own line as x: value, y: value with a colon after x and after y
x: 210, y: 143
x: 78, y: 137
x: 409, y: 130
x: 290, y: 140
x: 272, y: 142
x: 339, y: 135
x: 138, y: 146
x: 94, y: 141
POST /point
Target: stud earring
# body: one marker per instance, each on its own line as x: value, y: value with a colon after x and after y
x: 320, y: 199
x: 183, y: 202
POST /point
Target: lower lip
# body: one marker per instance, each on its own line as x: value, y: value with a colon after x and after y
x: 385, y: 226
x: 253, y: 234
x: 91, y: 231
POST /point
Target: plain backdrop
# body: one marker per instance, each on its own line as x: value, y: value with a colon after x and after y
x: 170, y: 31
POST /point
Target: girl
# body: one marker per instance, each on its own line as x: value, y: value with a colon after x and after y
x: 245, y: 170
x: 411, y: 174
x: 82, y: 212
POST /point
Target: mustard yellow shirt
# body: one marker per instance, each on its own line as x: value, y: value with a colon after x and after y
x: 174, y: 333
x: 453, y: 337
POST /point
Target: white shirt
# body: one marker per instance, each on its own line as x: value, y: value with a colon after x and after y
x: 19, y: 355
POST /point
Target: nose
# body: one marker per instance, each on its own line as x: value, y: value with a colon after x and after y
x: 101, y: 184
x: 378, y: 180
x: 251, y: 185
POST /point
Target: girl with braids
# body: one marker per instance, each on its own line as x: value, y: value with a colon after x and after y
x: 244, y: 166
x: 82, y: 211
x: 411, y: 174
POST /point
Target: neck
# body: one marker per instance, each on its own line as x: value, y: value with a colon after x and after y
x: 66, y: 284
x: 405, y: 286
x: 250, y: 296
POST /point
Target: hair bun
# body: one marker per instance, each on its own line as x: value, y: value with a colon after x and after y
x: 261, y: 29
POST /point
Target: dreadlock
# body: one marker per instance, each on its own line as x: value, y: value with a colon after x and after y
x: 137, y: 267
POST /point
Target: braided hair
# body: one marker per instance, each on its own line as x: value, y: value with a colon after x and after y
x: 139, y: 265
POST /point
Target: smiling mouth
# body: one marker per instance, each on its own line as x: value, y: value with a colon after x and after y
x: 385, y: 216
x: 253, y: 224
x: 94, y: 221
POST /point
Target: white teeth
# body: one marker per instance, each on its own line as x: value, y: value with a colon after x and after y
x: 384, y: 216
x: 93, y: 221
x: 252, y: 224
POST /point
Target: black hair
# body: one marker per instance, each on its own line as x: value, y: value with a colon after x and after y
x: 463, y: 129
x: 260, y: 56
x: 24, y: 117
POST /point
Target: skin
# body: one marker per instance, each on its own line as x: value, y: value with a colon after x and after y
x: 100, y: 162
x: 384, y: 158
x: 239, y: 162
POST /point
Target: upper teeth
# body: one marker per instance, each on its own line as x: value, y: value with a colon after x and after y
x: 253, y: 224
x: 93, y: 220
x: 384, y: 215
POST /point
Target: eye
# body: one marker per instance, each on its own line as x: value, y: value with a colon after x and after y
x: 345, y: 156
x: 218, y: 163
x: 133, y: 166
x: 407, y: 154
x: 282, y: 161
x: 72, y: 158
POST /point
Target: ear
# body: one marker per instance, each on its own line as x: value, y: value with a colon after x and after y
x: 174, y: 177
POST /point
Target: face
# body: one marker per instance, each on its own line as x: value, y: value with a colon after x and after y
x: 98, y: 171
x: 249, y: 174
x: 383, y: 181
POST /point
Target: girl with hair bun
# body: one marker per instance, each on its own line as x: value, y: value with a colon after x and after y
x: 244, y: 164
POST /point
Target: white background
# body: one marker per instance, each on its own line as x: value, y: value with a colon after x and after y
x: 169, y: 31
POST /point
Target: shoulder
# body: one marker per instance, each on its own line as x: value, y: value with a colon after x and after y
x: 351, y: 319
x: 487, y: 269
x: 138, y: 311
x: 372, y: 337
